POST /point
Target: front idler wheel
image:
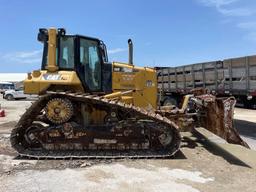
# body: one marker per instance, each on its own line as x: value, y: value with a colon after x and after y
x: 165, y: 138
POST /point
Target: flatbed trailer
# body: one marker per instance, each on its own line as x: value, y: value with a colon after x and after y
x: 234, y: 76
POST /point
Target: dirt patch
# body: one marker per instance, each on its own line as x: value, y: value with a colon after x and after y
x: 98, y: 175
x: 7, y: 127
x: 5, y: 145
x: 114, y: 177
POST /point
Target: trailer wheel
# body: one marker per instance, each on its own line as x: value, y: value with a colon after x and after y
x: 170, y: 101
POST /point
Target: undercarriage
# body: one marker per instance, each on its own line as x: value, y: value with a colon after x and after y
x: 90, y: 126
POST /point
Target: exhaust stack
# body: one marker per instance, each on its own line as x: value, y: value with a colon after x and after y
x: 130, y: 56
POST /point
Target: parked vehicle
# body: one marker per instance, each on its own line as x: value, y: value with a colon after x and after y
x: 6, y: 86
x: 14, y: 94
x: 235, y: 76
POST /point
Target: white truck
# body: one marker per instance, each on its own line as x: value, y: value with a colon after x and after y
x: 14, y: 94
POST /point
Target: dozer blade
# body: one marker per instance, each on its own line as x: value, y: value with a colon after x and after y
x: 217, y: 117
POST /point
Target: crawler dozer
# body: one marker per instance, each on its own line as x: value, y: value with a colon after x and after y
x: 91, y: 108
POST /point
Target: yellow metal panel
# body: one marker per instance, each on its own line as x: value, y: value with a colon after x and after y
x: 51, y: 62
x: 140, y: 79
x: 185, y: 102
x: 40, y: 81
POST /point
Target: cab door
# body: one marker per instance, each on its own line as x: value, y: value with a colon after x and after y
x: 89, y: 67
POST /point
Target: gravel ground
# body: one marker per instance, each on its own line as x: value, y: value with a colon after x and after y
x: 194, y: 169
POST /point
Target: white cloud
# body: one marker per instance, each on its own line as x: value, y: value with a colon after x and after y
x: 247, y: 25
x: 224, y: 7
x: 236, y: 11
x: 250, y: 28
x: 231, y: 9
x: 23, y: 57
x: 117, y: 50
x: 217, y: 3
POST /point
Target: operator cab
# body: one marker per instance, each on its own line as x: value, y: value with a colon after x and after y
x: 85, y: 55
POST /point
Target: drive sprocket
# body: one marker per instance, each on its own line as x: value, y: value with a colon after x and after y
x: 59, y: 110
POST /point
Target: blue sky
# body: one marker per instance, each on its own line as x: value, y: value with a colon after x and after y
x: 164, y: 32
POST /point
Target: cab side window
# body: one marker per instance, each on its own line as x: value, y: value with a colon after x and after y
x: 90, y: 64
x: 66, y: 53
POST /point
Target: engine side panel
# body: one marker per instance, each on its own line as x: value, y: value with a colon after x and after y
x: 39, y: 81
x: 141, y: 80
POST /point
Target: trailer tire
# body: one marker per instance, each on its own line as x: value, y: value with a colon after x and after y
x: 170, y: 101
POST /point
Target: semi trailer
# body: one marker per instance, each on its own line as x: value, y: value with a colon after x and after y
x: 234, y: 76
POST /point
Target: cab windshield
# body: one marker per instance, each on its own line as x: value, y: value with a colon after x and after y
x: 65, y: 58
x: 67, y: 53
